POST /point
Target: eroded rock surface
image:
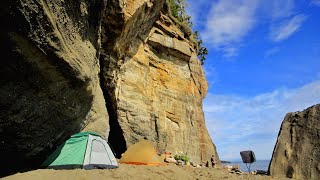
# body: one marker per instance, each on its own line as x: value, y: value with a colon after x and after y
x: 50, y: 86
x: 158, y: 93
x: 297, y: 151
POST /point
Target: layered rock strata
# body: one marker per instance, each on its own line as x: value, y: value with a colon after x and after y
x: 104, y: 65
x: 297, y: 151
x: 158, y: 94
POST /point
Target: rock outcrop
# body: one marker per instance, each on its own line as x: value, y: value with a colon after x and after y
x: 50, y: 85
x: 158, y: 94
x: 297, y: 151
x: 104, y: 65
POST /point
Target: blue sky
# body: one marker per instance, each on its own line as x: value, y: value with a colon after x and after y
x: 263, y: 61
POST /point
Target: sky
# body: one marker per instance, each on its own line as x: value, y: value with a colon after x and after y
x: 263, y: 62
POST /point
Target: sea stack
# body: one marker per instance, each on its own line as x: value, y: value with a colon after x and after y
x: 297, y: 151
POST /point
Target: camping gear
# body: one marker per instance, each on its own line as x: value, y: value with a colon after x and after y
x: 248, y: 157
x: 262, y: 172
x: 85, y: 150
x: 141, y: 153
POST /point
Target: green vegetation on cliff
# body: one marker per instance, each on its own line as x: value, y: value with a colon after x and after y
x: 178, y: 13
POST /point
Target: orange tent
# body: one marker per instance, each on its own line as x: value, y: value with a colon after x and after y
x: 141, y: 153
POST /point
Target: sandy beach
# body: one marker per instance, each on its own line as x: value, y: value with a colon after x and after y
x: 136, y: 172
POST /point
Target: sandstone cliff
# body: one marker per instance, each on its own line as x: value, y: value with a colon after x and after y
x: 104, y: 65
x: 297, y: 151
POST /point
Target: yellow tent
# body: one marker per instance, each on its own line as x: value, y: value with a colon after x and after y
x: 141, y: 153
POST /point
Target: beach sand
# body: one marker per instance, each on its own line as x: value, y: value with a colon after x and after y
x: 133, y: 172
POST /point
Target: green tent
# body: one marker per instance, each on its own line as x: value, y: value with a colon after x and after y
x: 83, y: 150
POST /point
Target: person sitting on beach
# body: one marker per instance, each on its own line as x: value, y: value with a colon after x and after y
x: 213, y: 161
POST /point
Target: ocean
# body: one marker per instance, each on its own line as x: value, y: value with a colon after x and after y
x: 258, y: 165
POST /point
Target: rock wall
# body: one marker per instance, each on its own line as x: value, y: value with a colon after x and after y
x: 159, y: 91
x: 104, y: 65
x: 50, y: 86
x: 297, y: 151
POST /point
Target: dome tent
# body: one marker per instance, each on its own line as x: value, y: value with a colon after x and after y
x: 85, y: 150
x: 141, y: 153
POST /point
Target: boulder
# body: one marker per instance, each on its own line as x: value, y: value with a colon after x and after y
x: 170, y: 160
x: 297, y: 151
x: 228, y: 167
x: 235, y: 167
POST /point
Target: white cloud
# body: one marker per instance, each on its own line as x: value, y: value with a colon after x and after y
x: 238, y: 123
x: 195, y: 10
x: 211, y: 74
x: 271, y: 52
x: 282, y: 9
x: 316, y: 2
x: 230, y: 51
x: 228, y: 22
x: 286, y: 28
x: 284, y: 21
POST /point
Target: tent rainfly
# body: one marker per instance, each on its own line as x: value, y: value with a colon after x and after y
x: 85, y: 150
x: 141, y: 153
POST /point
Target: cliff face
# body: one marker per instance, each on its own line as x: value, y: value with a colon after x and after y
x: 118, y: 65
x: 297, y: 151
x: 50, y: 85
x: 159, y: 91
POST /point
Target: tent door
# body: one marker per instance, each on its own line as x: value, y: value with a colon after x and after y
x: 98, y: 156
x: 99, y: 153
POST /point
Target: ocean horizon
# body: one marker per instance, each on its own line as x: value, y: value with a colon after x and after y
x: 258, y: 165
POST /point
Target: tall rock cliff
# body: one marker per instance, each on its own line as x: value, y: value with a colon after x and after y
x: 50, y: 85
x: 297, y: 151
x: 158, y: 91
x: 121, y: 68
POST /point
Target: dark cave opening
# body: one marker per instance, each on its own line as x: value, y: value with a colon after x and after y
x: 116, y: 139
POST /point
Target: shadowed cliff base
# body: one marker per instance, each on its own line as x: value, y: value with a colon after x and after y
x: 46, y: 90
x: 116, y: 138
